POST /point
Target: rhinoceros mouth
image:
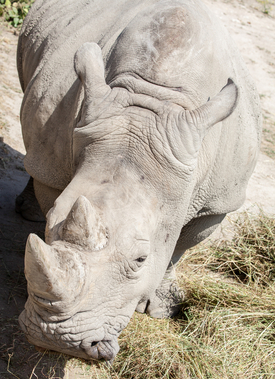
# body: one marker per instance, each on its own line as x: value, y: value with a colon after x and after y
x: 87, y: 343
x: 105, y: 349
x: 88, y: 348
x: 96, y: 350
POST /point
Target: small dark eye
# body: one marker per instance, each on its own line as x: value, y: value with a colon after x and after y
x: 140, y: 259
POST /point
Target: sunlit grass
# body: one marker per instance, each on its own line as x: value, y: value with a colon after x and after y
x: 227, y: 325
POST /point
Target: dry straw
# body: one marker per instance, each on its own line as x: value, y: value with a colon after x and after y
x: 227, y: 325
x: 226, y: 329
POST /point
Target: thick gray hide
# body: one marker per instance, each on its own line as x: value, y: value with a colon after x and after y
x: 135, y: 158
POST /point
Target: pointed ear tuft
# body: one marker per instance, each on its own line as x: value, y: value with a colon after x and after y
x: 223, y: 104
x: 229, y: 95
x: 218, y: 108
x: 83, y: 226
x: 89, y: 67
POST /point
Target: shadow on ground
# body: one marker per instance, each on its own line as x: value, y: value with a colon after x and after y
x: 17, y: 357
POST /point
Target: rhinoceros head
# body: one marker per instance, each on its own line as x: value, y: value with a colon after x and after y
x: 84, y: 287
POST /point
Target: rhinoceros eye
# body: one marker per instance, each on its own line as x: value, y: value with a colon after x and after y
x: 133, y: 266
x: 139, y: 253
x: 141, y: 259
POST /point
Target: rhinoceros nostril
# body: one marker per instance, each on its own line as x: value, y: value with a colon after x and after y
x: 94, y: 343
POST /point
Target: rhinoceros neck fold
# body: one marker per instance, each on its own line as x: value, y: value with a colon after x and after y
x: 135, y: 83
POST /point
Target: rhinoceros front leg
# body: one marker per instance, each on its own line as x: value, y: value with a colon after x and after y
x: 167, y: 299
x: 27, y: 205
x: 45, y: 195
x: 36, y: 200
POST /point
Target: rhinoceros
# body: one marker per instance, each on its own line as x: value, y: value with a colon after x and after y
x: 142, y: 128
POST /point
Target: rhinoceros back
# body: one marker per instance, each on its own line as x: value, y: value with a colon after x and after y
x: 52, y: 33
x: 181, y: 45
x: 197, y: 65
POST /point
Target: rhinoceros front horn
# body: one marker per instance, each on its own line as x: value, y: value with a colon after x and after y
x: 41, y: 267
x: 83, y: 226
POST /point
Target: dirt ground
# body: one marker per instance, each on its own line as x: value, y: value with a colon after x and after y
x: 252, y: 25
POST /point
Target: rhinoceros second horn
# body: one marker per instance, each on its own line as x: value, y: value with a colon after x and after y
x: 83, y: 226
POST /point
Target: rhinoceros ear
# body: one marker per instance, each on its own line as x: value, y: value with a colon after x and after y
x: 89, y: 67
x: 41, y: 266
x: 83, y: 226
x: 216, y: 109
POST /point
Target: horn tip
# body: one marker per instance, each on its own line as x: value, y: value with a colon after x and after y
x: 82, y: 202
x: 32, y: 240
x: 35, y: 246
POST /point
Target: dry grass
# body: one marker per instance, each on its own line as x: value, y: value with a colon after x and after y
x: 227, y: 326
x: 226, y: 329
x: 248, y: 258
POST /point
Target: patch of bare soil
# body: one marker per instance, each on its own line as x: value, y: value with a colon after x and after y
x: 253, y: 32
x: 17, y: 357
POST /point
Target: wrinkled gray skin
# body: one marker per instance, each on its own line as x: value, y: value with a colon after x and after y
x: 136, y: 156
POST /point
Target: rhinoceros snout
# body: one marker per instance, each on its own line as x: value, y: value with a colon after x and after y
x: 106, y: 350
